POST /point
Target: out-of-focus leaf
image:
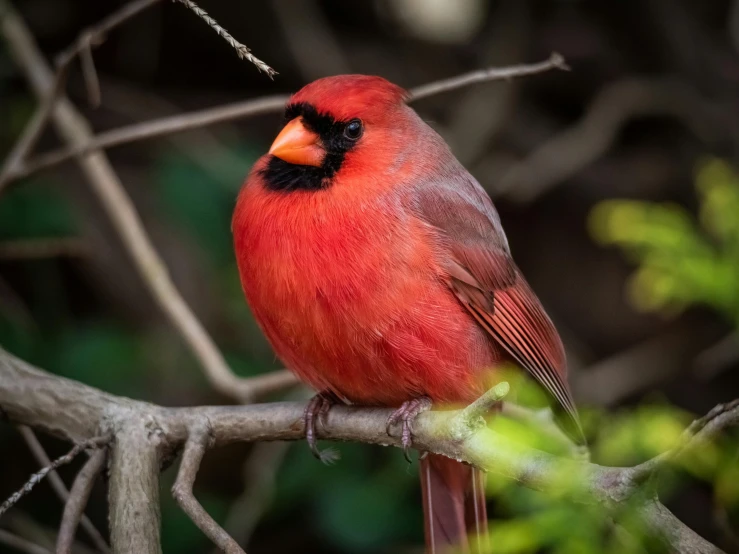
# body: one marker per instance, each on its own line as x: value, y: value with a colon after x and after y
x: 678, y: 265
x: 630, y: 437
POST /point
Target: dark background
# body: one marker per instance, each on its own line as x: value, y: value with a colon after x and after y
x: 653, y: 90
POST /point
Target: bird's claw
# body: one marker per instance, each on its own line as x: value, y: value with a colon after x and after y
x: 317, y: 411
x: 405, y: 415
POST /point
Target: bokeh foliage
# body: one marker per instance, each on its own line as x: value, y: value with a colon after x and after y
x: 681, y: 260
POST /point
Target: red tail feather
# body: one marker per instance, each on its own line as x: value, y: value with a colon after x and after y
x: 453, y: 506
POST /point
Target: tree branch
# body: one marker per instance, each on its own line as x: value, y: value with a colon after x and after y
x: 93, y: 36
x: 249, y: 108
x: 20, y: 544
x: 76, y: 502
x: 143, y: 432
x: 20, y: 249
x: 573, y: 148
x: 133, y: 494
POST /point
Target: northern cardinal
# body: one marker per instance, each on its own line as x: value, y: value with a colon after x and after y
x: 377, y: 267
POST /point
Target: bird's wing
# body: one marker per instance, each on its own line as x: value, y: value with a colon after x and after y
x: 487, y: 282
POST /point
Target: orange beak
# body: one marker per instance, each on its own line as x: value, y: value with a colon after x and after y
x: 297, y: 145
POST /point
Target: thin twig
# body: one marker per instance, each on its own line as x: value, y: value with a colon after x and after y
x: 58, y: 485
x: 95, y: 35
x: 28, y: 139
x: 199, y: 441
x: 75, y: 507
x: 248, y: 108
x: 20, y: 544
x: 26, y: 249
x: 39, y: 476
x: 90, y: 75
x: 555, y: 61
x: 243, y: 52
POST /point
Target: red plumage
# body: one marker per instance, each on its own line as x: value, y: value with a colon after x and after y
x: 384, y: 275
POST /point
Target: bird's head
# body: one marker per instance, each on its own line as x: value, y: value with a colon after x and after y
x: 331, y: 123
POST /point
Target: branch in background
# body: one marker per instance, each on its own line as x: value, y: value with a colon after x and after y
x: 22, y: 525
x: 243, y: 52
x: 43, y: 248
x: 143, y: 433
x: 39, y: 476
x: 75, y: 506
x: 555, y: 61
x: 641, y: 366
x: 248, y: 108
x: 82, y: 47
x: 104, y: 182
x: 61, y: 489
x: 20, y: 544
x: 89, y: 38
x: 718, y: 357
x: 90, y: 76
x: 577, y: 146
x: 260, y: 471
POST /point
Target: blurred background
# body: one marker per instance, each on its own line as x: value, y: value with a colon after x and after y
x: 616, y: 183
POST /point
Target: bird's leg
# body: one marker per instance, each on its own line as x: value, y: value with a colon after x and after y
x: 405, y: 415
x: 317, y: 411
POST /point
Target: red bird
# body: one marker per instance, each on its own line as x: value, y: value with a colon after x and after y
x: 377, y: 267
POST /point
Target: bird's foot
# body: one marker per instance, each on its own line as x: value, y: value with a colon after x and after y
x: 317, y: 412
x: 405, y: 415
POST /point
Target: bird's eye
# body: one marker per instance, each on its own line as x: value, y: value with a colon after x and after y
x: 353, y: 129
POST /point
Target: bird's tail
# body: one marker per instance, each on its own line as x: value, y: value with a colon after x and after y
x: 453, y: 506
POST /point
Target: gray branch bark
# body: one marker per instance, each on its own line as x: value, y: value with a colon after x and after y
x: 134, y: 485
x: 145, y: 433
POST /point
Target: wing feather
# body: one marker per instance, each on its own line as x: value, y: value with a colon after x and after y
x: 487, y: 282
